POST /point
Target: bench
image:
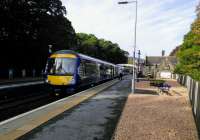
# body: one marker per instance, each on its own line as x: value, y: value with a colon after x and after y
x: 164, y: 88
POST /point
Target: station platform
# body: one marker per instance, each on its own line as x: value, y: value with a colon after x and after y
x: 151, y: 115
x: 109, y: 111
x: 19, y: 82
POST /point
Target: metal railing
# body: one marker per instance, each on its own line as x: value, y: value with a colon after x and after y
x: 11, y: 74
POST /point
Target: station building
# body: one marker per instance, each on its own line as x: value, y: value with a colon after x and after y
x: 160, y: 66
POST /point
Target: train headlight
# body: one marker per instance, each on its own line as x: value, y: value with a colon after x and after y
x: 72, y: 81
x: 47, y: 81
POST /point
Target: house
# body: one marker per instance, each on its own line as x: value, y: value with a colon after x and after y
x: 139, y: 65
x: 160, y: 66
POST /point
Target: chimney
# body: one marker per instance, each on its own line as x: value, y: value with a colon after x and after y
x: 163, y: 52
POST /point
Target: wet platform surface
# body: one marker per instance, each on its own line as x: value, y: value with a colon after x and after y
x: 93, y: 119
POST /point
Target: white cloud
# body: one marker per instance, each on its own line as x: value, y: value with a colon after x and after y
x: 161, y: 23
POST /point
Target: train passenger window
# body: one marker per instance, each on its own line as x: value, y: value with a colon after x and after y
x: 81, y: 71
x: 91, y: 68
x: 103, y: 70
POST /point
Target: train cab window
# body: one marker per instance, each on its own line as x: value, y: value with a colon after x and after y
x: 61, y: 66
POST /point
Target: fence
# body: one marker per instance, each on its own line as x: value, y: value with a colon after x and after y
x: 194, y: 95
x: 19, y: 73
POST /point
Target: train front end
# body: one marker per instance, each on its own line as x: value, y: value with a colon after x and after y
x: 61, y: 70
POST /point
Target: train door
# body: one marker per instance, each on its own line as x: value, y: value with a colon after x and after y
x: 91, y: 71
x: 81, y: 73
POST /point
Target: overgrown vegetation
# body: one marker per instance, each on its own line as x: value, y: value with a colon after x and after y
x: 189, y: 53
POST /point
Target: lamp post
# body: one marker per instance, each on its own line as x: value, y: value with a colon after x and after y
x: 139, y: 53
x: 50, y: 49
x: 135, y: 39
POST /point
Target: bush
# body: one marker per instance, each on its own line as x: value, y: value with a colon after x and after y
x: 156, y: 82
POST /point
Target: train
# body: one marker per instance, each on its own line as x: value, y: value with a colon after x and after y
x: 67, y: 69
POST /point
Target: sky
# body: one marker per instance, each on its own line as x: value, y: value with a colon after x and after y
x: 162, y: 24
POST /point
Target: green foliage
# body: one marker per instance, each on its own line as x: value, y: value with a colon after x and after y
x: 27, y: 27
x: 198, y: 10
x: 189, y: 62
x: 193, y: 37
x: 100, y: 48
x: 189, y: 53
x: 156, y: 82
x: 174, y: 51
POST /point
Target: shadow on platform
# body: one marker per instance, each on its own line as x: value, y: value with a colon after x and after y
x: 146, y: 91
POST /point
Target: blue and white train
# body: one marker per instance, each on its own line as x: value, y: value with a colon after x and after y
x: 67, y: 68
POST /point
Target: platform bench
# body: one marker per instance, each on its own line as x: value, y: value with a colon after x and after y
x: 164, y: 88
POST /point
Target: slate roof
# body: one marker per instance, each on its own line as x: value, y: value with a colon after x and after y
x: 153, y: 60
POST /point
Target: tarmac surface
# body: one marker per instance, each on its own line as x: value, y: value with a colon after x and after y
x: 93, y: 119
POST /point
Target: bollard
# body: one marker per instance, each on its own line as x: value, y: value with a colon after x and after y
x: 23, y: 73
x: 10, y: 74
x: 34, y: 72
x: 42, y: 72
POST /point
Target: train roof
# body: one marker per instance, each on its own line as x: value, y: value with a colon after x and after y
x: 82, y: 56
x: 65, y: 52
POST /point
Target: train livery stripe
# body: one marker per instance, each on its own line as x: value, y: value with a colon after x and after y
x: 59, y: 80
x: 63, y: 56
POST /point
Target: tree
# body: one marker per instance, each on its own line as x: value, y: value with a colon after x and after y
x: 174, y: 51
x: 87, y: 44
x: 189, y: 53
x: 28, y: 27
x: 198, y: 10
x: 100, y: 48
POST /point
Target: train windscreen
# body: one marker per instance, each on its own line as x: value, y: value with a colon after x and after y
x: 61, y: 66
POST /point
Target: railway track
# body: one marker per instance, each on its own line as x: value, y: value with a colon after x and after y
x: 14, y: 108
x: 26, y: 101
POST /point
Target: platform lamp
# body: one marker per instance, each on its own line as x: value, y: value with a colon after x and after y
x: 50, y: 49
x: 135, y: 39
